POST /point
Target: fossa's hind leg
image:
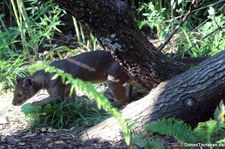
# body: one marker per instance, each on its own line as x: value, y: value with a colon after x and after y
x: 118, y: 81
x: 118, y: 91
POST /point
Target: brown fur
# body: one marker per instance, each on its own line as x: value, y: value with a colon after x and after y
x: 95, y: 67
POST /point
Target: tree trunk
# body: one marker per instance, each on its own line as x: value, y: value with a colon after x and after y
x: 188, y: 96
x: 113, y: 25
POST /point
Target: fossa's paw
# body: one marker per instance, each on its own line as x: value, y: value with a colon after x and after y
x: 39, y: 103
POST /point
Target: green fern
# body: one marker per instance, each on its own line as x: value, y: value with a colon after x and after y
x: 211, y: 131
x: 173, y: 127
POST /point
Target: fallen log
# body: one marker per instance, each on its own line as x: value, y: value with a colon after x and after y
x: 190, y: 96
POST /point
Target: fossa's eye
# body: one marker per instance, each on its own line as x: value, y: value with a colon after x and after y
x: 19, y: 95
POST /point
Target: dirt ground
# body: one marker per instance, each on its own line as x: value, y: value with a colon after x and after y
x: 16, y: 133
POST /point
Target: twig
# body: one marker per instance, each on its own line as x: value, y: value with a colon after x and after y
x: 183, y: 19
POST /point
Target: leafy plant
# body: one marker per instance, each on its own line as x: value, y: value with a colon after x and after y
x: 91, y: 43
x: 35, y: 23
x: 219, y: 114
x: 210, y: 132
x: 215, y: 42
x: 9, y: 69
x: 172, y: 127
x: 205, y: 39
x: 153, y: 18
x: 80, y: 113
x: 40, y: 24
x: 201, y: 35
x: 7, y: 39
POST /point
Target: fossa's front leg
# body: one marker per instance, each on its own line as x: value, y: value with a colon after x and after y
x: 56, y: 93
x: 43, y: 101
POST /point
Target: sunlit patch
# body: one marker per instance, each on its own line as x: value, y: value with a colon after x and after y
x: 112, y: 78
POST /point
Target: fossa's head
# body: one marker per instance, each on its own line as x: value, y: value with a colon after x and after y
x: 24, y: 90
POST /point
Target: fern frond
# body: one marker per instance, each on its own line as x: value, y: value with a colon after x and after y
x: 173, y: 127
x: 205, y: 130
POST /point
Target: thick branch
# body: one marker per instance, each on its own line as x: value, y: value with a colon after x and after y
x: 112, y: 24
x: 189, y: 96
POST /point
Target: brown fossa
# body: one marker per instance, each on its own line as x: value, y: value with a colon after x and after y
x: 95, y: 67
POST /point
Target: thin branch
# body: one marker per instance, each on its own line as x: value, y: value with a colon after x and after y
x: 219, y: 28
x: 183, y: 19
x: 198, y: 9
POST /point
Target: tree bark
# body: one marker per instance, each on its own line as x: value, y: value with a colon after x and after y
x: 188, y: 96
x: 113, y: 25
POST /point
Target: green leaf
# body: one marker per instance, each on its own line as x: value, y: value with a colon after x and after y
x: 179, y: 2
x: 206, y: 129
x: 29, y: 108
x: 127, y: 138
x: 54, y: 77
x: 211, y: 11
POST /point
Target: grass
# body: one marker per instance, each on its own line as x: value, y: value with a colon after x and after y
x: 80, y: 114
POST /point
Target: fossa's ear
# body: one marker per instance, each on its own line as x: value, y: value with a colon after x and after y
x: 18, y: 78
x: 27, y: 82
